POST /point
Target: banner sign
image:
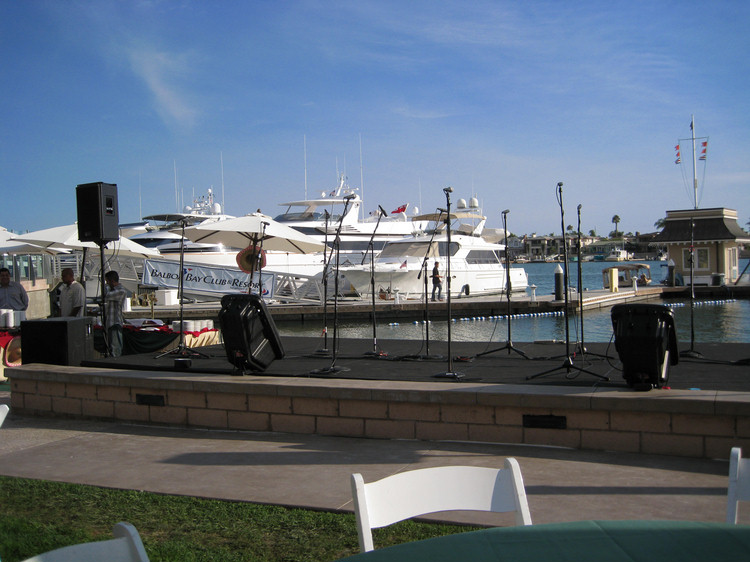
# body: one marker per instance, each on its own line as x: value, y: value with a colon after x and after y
x: 205, y: 279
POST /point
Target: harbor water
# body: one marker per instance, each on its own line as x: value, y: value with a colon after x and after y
x: 715, y: 320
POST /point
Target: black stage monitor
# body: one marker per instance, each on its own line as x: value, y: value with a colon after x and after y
x: 57, y: 341
x: 251, y: 340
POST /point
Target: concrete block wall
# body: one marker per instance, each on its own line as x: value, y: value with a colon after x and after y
x: 683, y: 423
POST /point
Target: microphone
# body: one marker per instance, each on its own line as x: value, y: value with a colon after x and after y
x: 382, y: 211
x: 448, y: 190
x: 506, y: 211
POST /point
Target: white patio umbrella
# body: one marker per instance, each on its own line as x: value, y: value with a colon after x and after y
x: 254, y: 229
x: 66, y: 238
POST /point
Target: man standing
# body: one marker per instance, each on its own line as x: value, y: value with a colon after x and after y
x: 72, y: 295
x: 12, y: 294
x: 113, y: 302
x: 437, y: 282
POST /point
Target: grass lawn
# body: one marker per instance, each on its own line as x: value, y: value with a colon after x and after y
x: 37, y: 516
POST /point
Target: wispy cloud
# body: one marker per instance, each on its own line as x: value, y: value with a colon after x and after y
x: 161, y: 72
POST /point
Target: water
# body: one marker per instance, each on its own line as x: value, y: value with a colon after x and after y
x: 714, y: 320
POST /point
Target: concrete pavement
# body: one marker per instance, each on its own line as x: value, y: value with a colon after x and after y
x: 312, y: 471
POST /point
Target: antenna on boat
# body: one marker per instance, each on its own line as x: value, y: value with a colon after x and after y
x: 176, y: 189
x: 140, y: 203
x: 304, y: 147
x: 361, y: 179
x: 221, y: 157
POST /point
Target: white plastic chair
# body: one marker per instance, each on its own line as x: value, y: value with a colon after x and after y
x: 125, y: 547
x: 3, y: 413
x: 445, y: 488
x: 739, y: 483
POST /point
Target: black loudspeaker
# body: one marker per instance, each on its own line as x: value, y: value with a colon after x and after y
x: 57, y: 341
x: 646, y: 342
x: 251, y: 340
x: 98, y: 215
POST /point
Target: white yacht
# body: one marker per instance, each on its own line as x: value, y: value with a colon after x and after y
x: 476, y: 265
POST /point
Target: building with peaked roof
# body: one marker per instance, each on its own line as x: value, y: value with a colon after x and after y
x: 716, y: 238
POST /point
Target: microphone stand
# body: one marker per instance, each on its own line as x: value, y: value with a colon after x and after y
x: 581, y: 345
x: 333, y: 368
x: 326, y: 258
x: 450, y: 373
x: 374, y: 352
x: 692, y: 353
x: 182, y: 349
x: 568, y: 364
x: 509, y: 343
x: 423, y: 271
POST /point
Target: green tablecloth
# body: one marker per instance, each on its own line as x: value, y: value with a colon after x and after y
x: 595, y: 541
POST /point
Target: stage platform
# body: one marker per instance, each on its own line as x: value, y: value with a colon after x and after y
x: 723, y: 367
x: 704, y: 412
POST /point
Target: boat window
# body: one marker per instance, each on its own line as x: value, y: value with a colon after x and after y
x: 481, y: 256
x: 301, y: 217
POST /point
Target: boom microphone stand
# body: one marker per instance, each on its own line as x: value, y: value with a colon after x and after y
x: 371, y: 247
x: 182, y: 350
x: 509, y: 343
x: 568, y: 364
x: 450, y: 373
x: 423, y: 274
x: 324, y: 350
x: 333, y: 368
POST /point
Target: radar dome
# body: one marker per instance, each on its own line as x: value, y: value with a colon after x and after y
x: 474, y: 203
x: 461, y: 203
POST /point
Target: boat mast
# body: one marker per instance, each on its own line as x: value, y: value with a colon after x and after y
x: 221, y: 157
x: 695, y: 173
x: 361, y: 179
x: 304, y: 144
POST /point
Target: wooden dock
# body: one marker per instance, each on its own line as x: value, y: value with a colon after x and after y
x: 495, y: 305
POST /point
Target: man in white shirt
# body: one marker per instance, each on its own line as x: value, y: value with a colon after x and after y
x: 72, y: 296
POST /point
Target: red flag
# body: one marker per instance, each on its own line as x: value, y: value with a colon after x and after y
x: 677, y: 148
x: 403, y: 265
x: 703, y: 152
x: 401, y: 209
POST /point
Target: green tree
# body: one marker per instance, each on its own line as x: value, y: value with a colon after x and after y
x: 661, y: 223
x: 616, y: 221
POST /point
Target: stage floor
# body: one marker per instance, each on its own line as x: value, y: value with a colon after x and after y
x: 723, y: 366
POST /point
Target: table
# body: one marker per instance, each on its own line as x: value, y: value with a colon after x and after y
x: 599, y: 541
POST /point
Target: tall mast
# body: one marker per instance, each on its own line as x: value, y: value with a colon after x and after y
x: 695, y: 173
x: 221, y: 158
x: 304, y: 143
x: 361, y: 179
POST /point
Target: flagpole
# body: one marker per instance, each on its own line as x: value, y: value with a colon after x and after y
x: 695, y: 172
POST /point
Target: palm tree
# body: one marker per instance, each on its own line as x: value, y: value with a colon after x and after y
x: 661, y: 223
x: 616, y: 221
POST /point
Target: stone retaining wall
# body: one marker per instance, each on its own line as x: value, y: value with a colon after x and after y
x: 671, y: 422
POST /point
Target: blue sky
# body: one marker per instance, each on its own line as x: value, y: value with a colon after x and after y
x: 497, y: 99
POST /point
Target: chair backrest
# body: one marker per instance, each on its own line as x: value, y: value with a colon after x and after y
x: 125, y: 547
x: 739, y: 483
x: 445, y: 488
x: 3, y: 413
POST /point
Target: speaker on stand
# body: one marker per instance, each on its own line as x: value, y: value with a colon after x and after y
x: 99, y: 222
